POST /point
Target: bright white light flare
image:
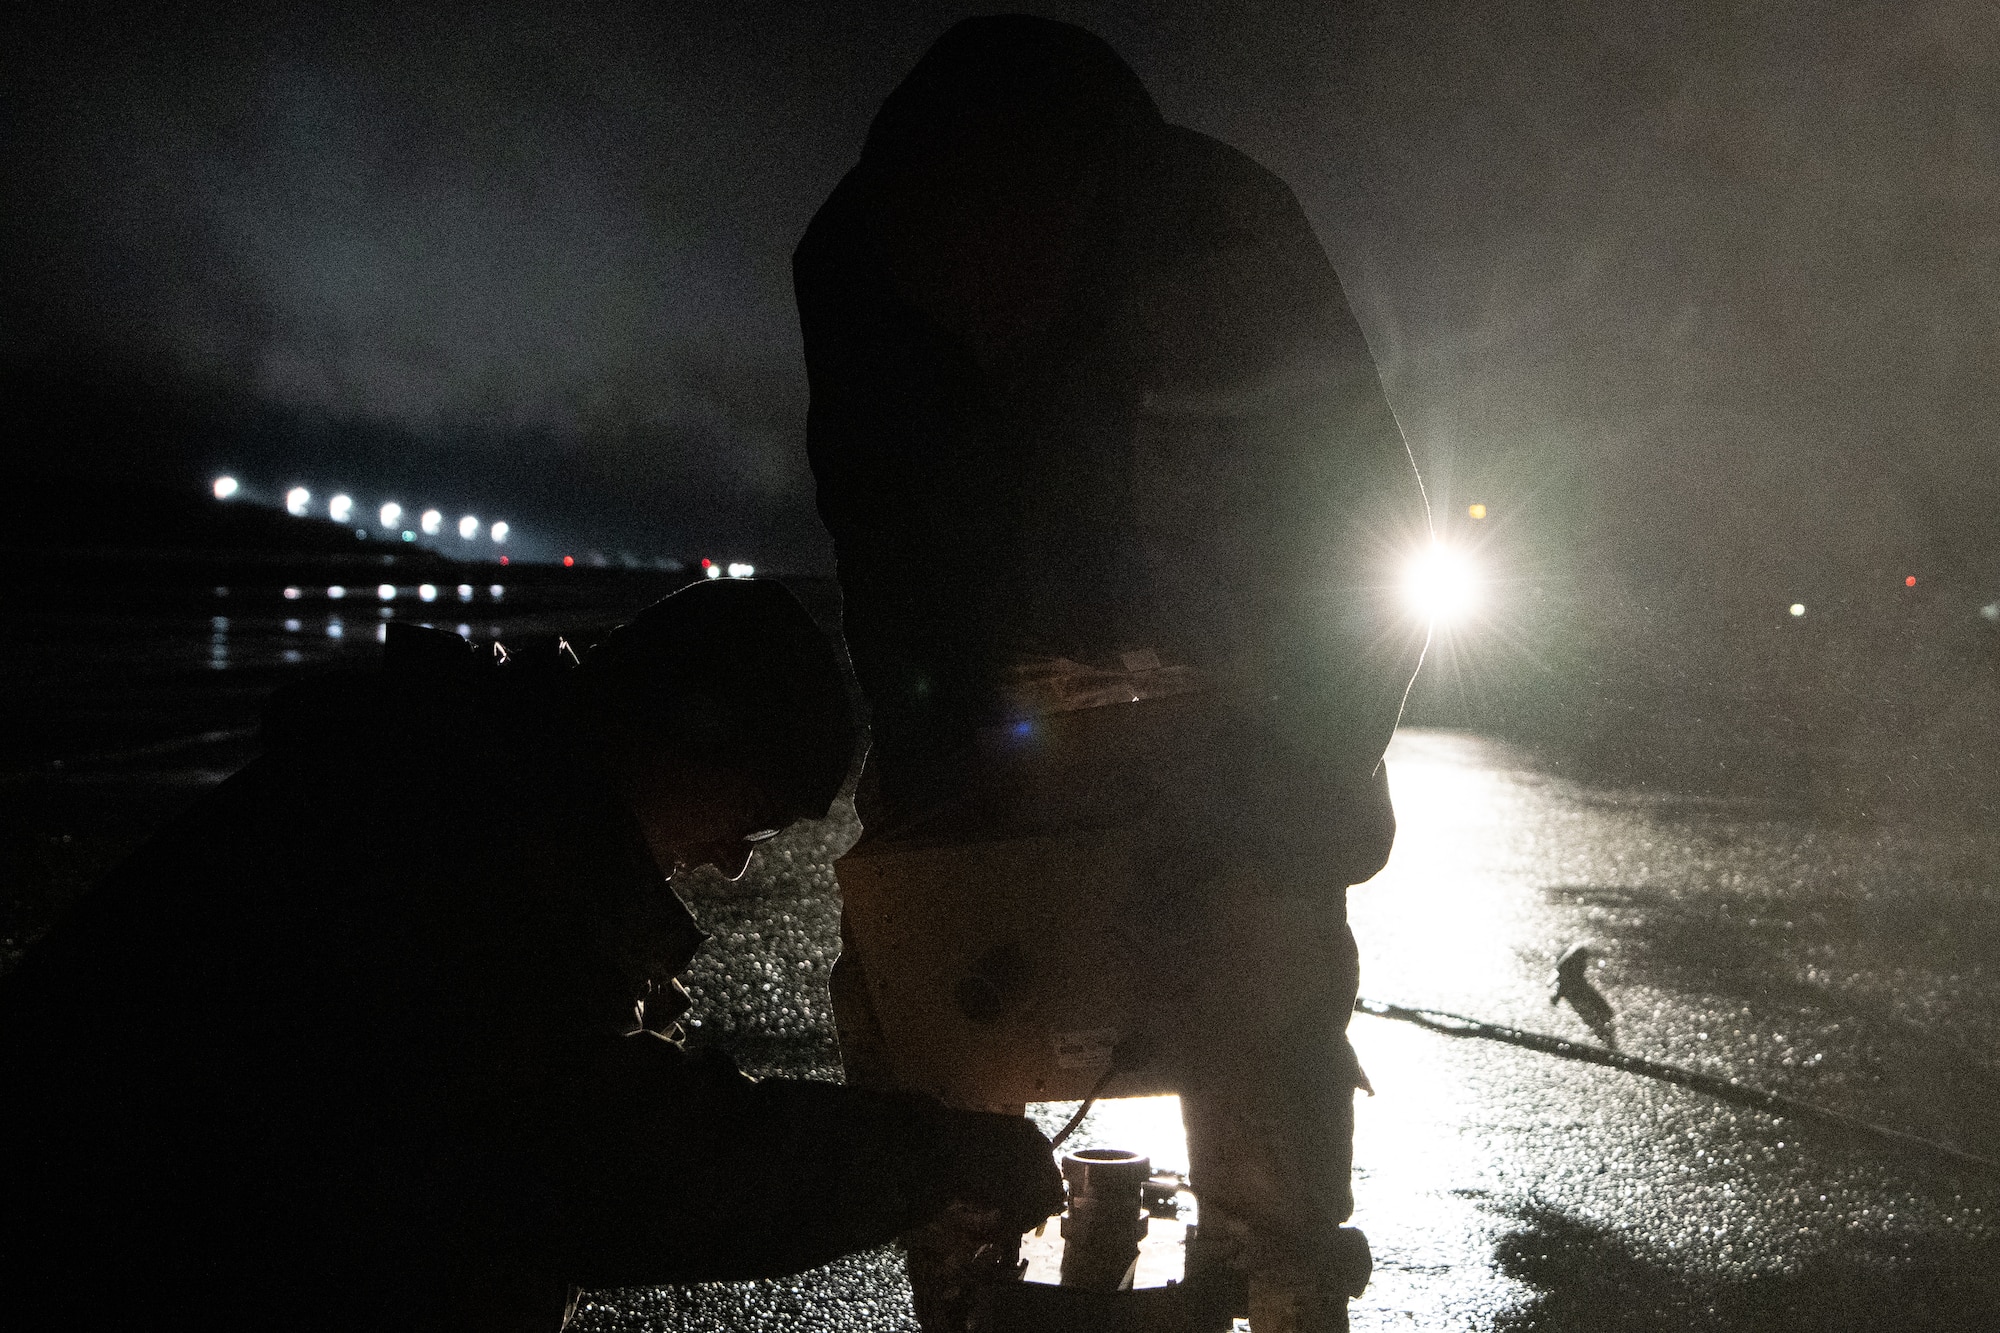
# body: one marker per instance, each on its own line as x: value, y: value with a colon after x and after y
x: 428, y: 592
x: 386, y: 591
x: 500, y: 532
x: 739, y: 570
x: 1441, y: 584
x: 392, y: 514
x: 468, y: 527
x: 340, y: 508
x: 296, y: 500
x: 431, y: 522
x: 225, y: 487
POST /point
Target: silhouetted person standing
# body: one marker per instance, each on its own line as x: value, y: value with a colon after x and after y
x: 1094, y: 429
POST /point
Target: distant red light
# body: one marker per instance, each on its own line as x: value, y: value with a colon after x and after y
x: 705, y: 564
x: 568, y: 560
x: 503, y: 559
x: 1910, y: 582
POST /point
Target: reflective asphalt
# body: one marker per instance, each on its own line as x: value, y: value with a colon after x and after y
x: 1507, y: 1190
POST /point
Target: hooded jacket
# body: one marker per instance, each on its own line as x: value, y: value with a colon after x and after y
x: 372, y: 1038
x: 1085, y: 385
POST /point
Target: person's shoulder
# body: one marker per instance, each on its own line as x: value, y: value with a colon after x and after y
x: 431, y: 686
x: 1190, y: 179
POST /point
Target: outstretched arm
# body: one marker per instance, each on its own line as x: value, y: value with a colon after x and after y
x: 690, y: 1171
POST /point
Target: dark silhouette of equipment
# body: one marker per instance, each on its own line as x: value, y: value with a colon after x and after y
x: 1571, y: 982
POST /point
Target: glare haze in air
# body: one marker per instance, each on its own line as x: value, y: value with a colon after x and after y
x: 1701, y: 287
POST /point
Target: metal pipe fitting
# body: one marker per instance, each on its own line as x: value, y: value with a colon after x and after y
x: 1105, y: 1222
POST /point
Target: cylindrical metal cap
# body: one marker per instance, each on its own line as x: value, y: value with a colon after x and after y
x: 1105, y: 1176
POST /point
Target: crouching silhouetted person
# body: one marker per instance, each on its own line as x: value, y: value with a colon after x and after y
x: 381, y: 1035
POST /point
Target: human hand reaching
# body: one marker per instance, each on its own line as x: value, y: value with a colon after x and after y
x: 1001, y: 1164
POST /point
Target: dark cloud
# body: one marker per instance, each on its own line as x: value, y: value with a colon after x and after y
x: 1704, y: 279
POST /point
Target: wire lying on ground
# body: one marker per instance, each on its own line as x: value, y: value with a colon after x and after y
x: 1725, y: 1089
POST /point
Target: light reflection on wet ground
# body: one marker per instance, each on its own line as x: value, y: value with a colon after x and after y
x: 1504, y: 1189
x: 1849, y: 965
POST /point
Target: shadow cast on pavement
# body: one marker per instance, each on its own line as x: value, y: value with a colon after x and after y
x: 1833, y: 986
x: 1589, y: 1279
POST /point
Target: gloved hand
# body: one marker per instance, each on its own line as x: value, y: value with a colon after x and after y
x: 1001, y: 1164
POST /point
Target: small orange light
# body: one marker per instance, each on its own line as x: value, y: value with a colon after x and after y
x: 568, y: 560
x: 1910, y: 582
x: 1476, y: 511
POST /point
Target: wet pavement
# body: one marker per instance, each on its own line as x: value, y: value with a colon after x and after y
x: 1851, y: 964
x: 1854, y: 968
x: 1504, y: 1189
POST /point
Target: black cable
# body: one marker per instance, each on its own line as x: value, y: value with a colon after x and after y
x: 1083, y: 1110
x: 1134, y: 1053
x: 1726, y: 1089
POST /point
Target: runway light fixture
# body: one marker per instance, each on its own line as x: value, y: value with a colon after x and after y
x: 392, y: 514
x: 1798, y: 609
x: 427, y: 591
x: 386, y: 591
x: 431, y: 522
x: 340, y: 508
x: 297, y: 499
x: 500, y: 531
x: 1440, y: 584
x: 225, y: 487
x: 468, y: 527
x: 739, y: 570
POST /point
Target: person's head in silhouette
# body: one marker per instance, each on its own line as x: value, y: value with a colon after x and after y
x: 724, y: 716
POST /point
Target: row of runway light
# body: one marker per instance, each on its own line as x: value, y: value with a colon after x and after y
x: 388, y: 592
x: 340, y: 508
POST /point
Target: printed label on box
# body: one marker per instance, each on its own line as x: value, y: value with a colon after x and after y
x: 1088, y: 1049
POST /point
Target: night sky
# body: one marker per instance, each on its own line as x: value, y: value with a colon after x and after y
x: 1705, y: 287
